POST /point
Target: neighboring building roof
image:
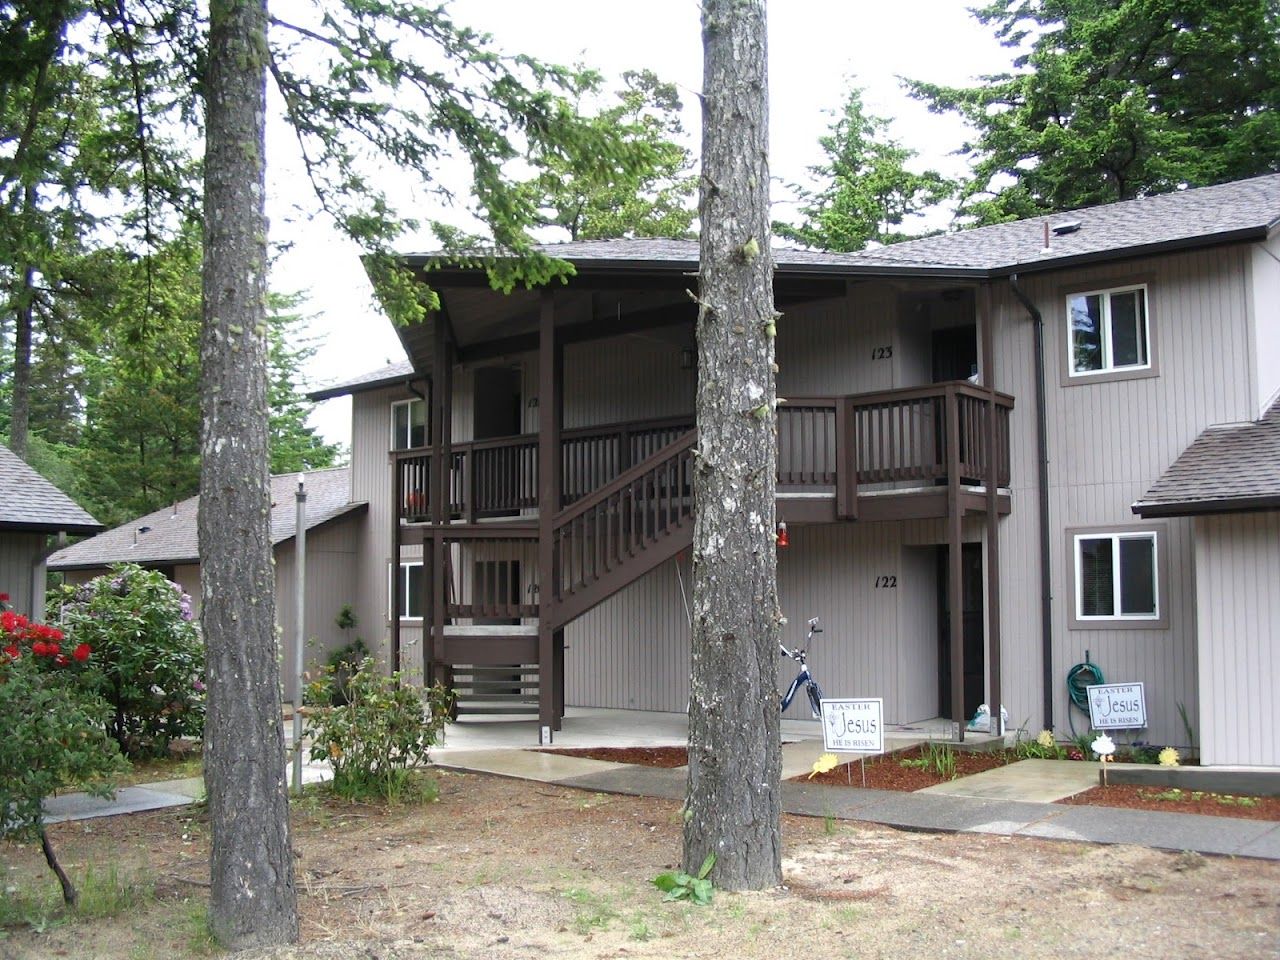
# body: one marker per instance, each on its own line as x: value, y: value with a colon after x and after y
x: 169, y: 535
x: 1204, y: 216
x: 389, y: 375
x: 1229, y: 468
x: 30, y: 502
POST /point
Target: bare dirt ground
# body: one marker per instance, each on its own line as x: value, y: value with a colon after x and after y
x: 509, y: 869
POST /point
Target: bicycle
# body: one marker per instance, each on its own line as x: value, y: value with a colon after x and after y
x: 804, y: 677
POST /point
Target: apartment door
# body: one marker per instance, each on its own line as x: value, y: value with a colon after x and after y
x: 498, y: 405
x: 955, y: 353
x: 971, y: 590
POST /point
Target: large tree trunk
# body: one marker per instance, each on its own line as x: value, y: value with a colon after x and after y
x: 24, y: 323
x: 735, y: 754
x: 252, y: 897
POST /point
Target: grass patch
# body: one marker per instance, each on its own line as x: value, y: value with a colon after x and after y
x: 103, y: 893
x: 595, y: 912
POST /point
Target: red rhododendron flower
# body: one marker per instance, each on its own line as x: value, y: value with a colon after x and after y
x: 8, y: 621
x: 53, y: 648
x: 62, y: 660
x: 4, y: 598
x: 82, y: 652
x: 40, y: 648
x: 12, y: 651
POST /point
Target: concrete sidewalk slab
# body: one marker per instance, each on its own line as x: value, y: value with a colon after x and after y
x: 525, y: 764
x: 81, y: 806
x: 1039, y: 781
x: 1161, y: 831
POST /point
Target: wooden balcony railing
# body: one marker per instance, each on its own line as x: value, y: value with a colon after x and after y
x: 895, y: 438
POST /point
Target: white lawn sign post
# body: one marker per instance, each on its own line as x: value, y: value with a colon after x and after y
x: 854, y: 726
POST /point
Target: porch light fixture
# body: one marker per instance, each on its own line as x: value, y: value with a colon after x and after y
x: 784, y: 540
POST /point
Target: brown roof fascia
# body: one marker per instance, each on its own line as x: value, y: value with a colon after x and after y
x: 1199, y: 508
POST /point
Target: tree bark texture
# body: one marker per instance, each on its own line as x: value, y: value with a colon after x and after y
x: 732, y: 804
x: 253, y: 901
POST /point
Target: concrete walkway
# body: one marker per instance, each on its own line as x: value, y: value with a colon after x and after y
x: 1015, y: 800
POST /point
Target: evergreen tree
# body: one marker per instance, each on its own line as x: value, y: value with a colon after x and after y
x: 1115, y: 99
x: 867, y: 191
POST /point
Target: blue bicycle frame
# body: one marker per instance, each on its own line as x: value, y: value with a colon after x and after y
x: 804, y: 678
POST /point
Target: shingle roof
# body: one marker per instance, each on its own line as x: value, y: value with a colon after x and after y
x: 1184, y: 218
x: 1245, y: 209
x: 29, y: 501
x: 1228, y: 468
x: 383, y: 376
x: 169, y: 535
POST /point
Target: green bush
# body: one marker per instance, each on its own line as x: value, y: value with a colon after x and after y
x: 149, y: 656
x: 385, y: 729
x: 54, y: 729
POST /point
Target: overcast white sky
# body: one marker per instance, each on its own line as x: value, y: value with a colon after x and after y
x: 816, y: 50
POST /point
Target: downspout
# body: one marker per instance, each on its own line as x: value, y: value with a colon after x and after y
x: 1042, y: 484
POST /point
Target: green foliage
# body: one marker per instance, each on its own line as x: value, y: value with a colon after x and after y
x: 1044, y: 747
x: 936, y: 758
x: 648, y: 196
x: 148, y: 654
x: 1109, y: 101
x: 678, y: 885
x: 386, y: 728
x: 867, y: 190
x: 54, y: 737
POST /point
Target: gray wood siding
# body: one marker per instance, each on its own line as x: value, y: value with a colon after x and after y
x: 331, y: 564
x: 1237, y: 571
x: 21, y: 576
x: 632, y: 651
x: 1108, y: 442
x: 371, y: 482
x: 1264, y: 317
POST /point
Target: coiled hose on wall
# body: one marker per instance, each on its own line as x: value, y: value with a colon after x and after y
x: 1079, y: 677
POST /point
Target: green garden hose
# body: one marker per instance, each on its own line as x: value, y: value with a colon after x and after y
x: 1079, y: 677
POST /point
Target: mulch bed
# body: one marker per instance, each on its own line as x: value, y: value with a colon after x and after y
x: 1179, y: 801
x: 886, y: 772
x: 645, y: 756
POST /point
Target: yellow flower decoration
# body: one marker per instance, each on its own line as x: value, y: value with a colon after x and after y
x: 335, y: 751
x: 1169, y: 757
x: 824, y: 763
x: 1045, y: 739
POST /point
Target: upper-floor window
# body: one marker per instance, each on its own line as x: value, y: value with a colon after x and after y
x: 1108, y: 331
x: 1117, y: 576
x: 408, y: 424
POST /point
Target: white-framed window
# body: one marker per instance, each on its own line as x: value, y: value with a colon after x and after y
x: 1108, y: 331
x: 408, y: 424
x: 1117, y: 576
x: 411, y: 590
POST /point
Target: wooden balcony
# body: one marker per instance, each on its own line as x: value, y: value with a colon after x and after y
x: 869, y: 456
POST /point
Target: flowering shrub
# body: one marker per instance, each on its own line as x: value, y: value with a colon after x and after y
x: 1168, y: 757
x: 149, y: 656
x: 54, y: 727
x: 386, y: 728
x: 1043, y: 747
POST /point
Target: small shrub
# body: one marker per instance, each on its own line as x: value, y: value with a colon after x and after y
x: 148, y: 652
x: 936, y: 758
x: 343, y: 663
x: 1043, y: 747
x: 386, y: 728
x: 54, y: 731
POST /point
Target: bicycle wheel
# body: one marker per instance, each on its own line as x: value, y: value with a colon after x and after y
x: 815, y: 699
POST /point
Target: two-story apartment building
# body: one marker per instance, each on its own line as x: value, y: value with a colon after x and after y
x: 971, y: 416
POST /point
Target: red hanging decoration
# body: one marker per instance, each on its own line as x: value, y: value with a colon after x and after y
x: 784, y: 540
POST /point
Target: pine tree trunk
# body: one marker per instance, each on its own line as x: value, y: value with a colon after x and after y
x: 24, y: 322
x: 252, y: 897
x: 735, y: 759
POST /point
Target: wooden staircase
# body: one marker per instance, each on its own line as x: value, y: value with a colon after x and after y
x: 603, y: 542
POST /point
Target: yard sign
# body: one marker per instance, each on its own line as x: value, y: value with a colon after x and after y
x: 1117, y: 706
x: 853, y: 726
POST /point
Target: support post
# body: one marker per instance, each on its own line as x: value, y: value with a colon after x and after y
x: 550, y: 414
x: 991, y: 483
x: 397, y: 505
x: 299, y: 624
x: 846, y: 460
x: 441, y: 455
x: 955, y: 588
